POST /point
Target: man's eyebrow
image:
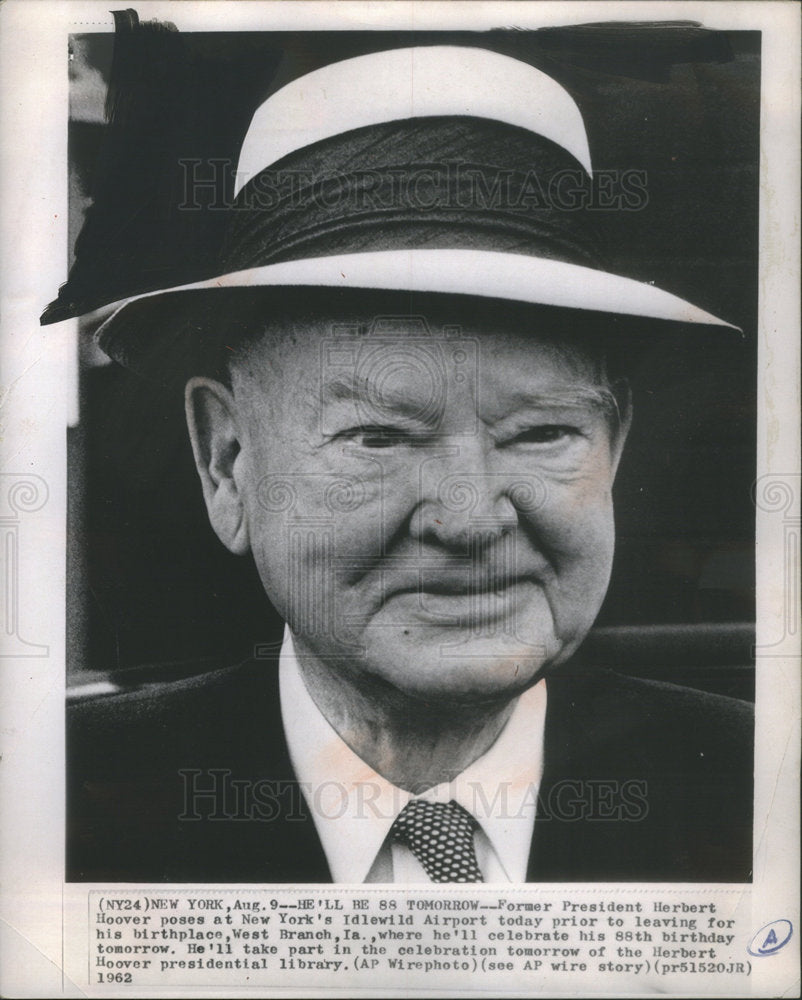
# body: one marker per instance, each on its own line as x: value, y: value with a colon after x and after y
x: 338, y: 388
x: 573, y: 396
x: 349, y: 388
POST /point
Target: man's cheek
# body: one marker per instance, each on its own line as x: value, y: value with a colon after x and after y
x: 572, y: 509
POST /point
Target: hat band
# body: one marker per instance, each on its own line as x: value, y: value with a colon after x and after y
x: 314, y: 204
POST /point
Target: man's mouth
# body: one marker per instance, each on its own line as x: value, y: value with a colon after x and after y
x: 462, y: 587
x: 463, y: 601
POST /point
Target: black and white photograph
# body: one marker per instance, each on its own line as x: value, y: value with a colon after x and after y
x: 416, y: 471
x: 452, y: 288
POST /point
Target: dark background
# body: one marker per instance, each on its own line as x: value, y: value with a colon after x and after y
x: 150, y: 586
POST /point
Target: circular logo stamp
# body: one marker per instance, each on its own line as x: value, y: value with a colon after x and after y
x: 771, y: 938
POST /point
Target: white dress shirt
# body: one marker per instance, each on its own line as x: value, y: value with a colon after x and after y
x: 353, y: 807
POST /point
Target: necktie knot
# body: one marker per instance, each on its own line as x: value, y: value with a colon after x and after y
x: 440, y: 835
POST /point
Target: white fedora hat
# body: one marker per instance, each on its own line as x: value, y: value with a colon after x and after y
x: 430, y: 169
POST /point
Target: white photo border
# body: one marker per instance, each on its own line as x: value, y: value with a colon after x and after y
x: 40, y: 400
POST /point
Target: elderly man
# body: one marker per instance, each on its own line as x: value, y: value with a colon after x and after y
x: 407, y: 400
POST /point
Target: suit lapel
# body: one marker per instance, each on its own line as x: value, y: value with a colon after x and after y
x: 565, y: 846
x: 283, y: 840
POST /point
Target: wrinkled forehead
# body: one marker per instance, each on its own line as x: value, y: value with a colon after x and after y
x: 338, y: 348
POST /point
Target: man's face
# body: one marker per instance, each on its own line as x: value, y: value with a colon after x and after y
x: 428, y: 507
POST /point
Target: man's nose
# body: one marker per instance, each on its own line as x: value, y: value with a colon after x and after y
x: 464, y: 503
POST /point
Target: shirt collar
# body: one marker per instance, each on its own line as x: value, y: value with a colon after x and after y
x: 353, y: 807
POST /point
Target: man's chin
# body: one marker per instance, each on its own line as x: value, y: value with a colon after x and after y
x: 472, y: 669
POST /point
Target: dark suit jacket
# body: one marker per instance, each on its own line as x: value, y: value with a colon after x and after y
x: 191, y: 782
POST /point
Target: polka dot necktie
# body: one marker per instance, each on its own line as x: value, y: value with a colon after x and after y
x: 440, y: 835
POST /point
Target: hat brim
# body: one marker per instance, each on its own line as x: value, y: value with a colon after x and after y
x: 135, y: 327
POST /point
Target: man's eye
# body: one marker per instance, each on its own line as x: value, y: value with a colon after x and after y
x: 377, y: 436
x: 545, y: 434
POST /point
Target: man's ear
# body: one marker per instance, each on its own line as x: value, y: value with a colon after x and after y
x: 215, y: 437
x: 623, y: 398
